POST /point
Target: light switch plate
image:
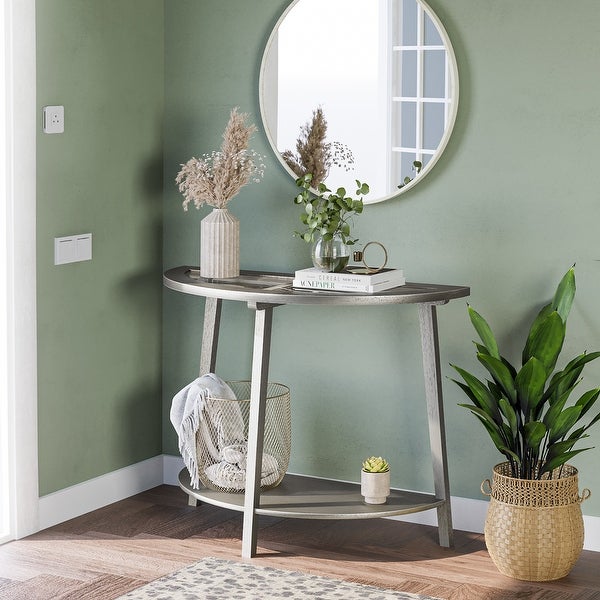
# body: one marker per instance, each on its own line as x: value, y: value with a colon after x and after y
x: 54, y: 119
x: 72, y: 248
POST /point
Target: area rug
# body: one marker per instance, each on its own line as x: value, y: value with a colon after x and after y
x: 218, y: 579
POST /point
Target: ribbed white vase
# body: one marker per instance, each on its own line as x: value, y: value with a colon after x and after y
x: 219, y: 245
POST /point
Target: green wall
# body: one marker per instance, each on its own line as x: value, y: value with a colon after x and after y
x: 99, y: 321
x: 509, y: 207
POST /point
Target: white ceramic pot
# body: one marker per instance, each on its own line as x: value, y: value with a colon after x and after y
x: 375, y: 487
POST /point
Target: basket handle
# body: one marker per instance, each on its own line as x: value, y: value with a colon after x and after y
x: 585, y: 494
x: 489, y: 484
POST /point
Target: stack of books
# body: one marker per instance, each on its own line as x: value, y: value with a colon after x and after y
x: 346, y: 281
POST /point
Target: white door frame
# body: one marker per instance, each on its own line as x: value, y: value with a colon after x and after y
x: 21, y: 267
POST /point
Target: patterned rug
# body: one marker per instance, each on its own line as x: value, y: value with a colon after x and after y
x: 218, y: 579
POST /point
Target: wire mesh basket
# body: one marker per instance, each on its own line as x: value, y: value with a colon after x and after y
x: 222, y: 440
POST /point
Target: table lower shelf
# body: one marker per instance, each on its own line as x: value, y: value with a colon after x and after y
x: 302, y: 497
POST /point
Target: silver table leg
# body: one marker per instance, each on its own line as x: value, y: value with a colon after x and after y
x: 210, y: 335
x: 208, y: 353
x: 256, y: 426
x: 435, y: 415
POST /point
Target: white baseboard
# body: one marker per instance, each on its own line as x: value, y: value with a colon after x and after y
x: 467, y: 514
x: 172, y: 466
x: 84, y: 497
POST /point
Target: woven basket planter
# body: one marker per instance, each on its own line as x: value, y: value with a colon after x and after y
x: 534, y: 528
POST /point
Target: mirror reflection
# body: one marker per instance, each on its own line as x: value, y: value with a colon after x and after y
x: 367, y: 89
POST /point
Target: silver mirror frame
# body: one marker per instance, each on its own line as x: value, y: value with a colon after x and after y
x: 263, y: 103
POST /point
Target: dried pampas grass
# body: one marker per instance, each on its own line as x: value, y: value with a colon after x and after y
x: 215, y: 178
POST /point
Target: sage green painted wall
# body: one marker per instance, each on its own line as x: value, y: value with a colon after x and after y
x: 511, y: 205
x: 99, y: 321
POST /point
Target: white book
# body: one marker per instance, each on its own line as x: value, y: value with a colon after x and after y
x: 392, y: 276
x: 339, y: 286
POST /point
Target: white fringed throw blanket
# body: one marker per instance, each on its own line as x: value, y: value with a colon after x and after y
x: 192, y: 412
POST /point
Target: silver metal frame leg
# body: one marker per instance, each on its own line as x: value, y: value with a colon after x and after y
x: 210, y: 335
x: 435, y: 416
x: 256, y: 426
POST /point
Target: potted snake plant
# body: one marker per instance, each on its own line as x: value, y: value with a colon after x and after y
x: 534, y: 525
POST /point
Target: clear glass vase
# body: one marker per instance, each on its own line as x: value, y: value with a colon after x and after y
x: 330, y: 255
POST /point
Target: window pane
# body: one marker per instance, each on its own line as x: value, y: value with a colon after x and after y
x: 433, y: 124
x: 432, y: 36
x: 406, y: 166
x: 408, y: 22
x: 434, y: 71
x: 408, y: 124
x: 408, y: 74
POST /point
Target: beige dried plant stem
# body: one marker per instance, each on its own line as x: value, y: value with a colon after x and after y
x: 216, y: 178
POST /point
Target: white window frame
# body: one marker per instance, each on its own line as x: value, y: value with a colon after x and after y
x: 418, y: 150
x: 20, y: 391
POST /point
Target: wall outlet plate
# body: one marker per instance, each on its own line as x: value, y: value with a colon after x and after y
x: 72, y: 248
x: 54, y: 119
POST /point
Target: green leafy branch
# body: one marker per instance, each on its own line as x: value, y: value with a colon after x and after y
x: 327, y: 213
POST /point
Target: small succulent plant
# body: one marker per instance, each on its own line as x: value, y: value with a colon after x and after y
x: 375, y: 464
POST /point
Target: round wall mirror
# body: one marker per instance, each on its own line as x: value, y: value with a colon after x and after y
x: 359, y: 89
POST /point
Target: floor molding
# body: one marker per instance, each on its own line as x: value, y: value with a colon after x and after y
x: 84, y: 497
x: 467, y: 514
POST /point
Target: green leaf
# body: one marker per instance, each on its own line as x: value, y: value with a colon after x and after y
x: 484, y: 331
x: 555, y: 410
x: 539, y: 319
x: 567, y: 379
x: 467, y: 390
x: 565, y: 293
x: 481, y: 395
x: 534, y: 432
x: 481, y: 349
x: 530, y: 381
x: 510, y: 454
x: 509, y: 414
x: 587, y: 400
x: 501, y: 375
x: 559, y: 448
x: 493, y: 432
x: 482, y: 414
x: 564, y: 421
x: 545, y: 341
x: 560, y: 460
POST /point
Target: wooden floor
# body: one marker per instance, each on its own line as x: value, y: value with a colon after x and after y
x: 110, y: 551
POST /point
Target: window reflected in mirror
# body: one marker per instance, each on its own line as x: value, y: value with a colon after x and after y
x: 382, y: 76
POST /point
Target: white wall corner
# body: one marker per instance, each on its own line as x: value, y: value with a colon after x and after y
x: 21, y: 264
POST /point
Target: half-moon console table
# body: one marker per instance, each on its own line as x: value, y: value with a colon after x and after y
x: 308, y: 497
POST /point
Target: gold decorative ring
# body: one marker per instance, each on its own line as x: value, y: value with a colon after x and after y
x: 360, y: 255
x: 364, y: 257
